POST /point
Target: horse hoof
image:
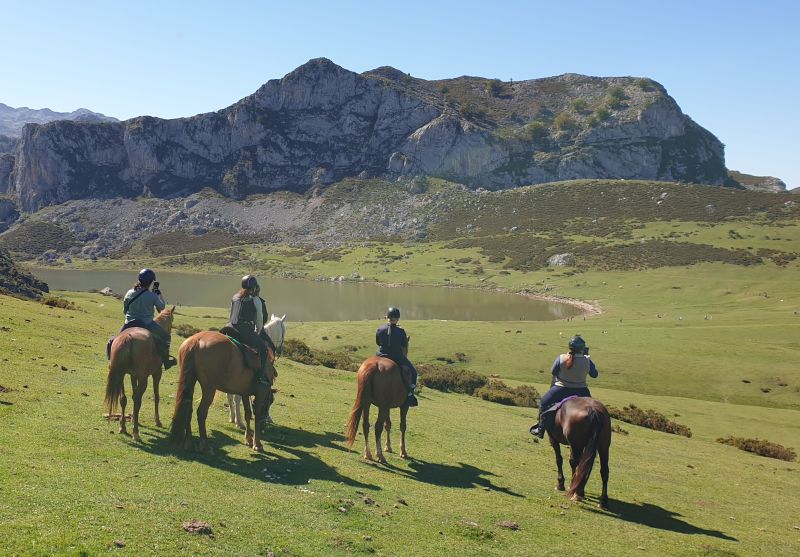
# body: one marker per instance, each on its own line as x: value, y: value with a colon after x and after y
x: 367, y: 457
x: 258, y: 448
x: 404, y: 456
x: 388, y: 450
x: 560, y: 488
x: 137, y: 438
x: 159, y: 424
x: 576, y: 498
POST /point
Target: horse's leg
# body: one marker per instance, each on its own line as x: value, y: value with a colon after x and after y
x: 575, y: 452
x: 231, y: 412
x: 123, y: 402
x: 602, y: 451
x: 365, y: 426
x: 403, y: 414
x: 138, y: 393
x: 559, y: 463
x: 248, y: 414
x: 202, y: 414
x: 383, y: 416
x: 259, y: 405
x: 156, y: 381
x: 388, y: 426
x: 234, y: 410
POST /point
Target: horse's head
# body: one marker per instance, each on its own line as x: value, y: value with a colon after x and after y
x: 165, y: 318
x: 276, y: 331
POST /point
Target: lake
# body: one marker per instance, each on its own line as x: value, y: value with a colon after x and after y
x: 305, y: 300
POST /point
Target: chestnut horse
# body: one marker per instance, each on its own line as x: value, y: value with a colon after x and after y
x: 134, y: 351
x: 218, y: 364
x: 379, y: 383
x: 582, y: 423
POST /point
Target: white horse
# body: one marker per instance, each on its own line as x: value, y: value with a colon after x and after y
x: 276, y: 331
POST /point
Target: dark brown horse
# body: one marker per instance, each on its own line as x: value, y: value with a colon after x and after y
x: 217, y: 363
x: 582, y: 423
x: 134, y: 351
x: 379, y: 383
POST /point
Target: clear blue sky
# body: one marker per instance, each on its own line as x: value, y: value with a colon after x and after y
x: 732, y: 66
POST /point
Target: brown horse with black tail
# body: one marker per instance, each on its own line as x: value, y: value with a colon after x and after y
x: 584, y: 424
x: 217, y: 363
x: 134, y: 351
x: 379, y: 383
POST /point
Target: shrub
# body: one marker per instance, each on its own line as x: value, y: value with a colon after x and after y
x: 564, y: 122
x: 649, y: 419
x: 299, y: 351
x: 617, y: 93
x: 535, y: 131
x: 602, y: 114
x: 760, y: 447
x: 645, y: 84
x: 56, y: 302
x: 499, y: 392
x: 579, y: 105
x: 448, y: 379
x: 494, y: 87
x: 185, y: 330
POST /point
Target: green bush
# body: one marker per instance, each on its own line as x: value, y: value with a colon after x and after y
x: 56, y: 302
x: 535, y: 131
x: 449, y: 379
x: 299, y: 351
x: 645, y: 84
x: 602, y: 114
x: 564, y: 122
x: 649, y: 419
x: 760, y: 447
x: 494, y: 87
x: 617, y: 93
x: 499, y: 392
x: 579, y: 105
x: 185, y: 330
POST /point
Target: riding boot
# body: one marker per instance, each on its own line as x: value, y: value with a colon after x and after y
x: 412, y: 400
x: 538, y: 428
x: 163, y: 351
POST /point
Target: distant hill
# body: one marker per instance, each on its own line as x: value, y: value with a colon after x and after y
x: 16, y: 281
x: 322, y: 123
x: 12, y: 120
x: 759, y: 183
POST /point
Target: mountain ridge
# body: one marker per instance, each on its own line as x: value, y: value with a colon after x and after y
x: 322, y: 123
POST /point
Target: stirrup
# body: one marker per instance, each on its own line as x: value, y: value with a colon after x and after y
x: 169, y: 361
x: 537, y: 430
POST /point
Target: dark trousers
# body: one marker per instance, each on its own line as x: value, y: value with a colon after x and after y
x: 248, y: 336
x: 552, y: 397
x: 402, y: 361
x: 160, y: 336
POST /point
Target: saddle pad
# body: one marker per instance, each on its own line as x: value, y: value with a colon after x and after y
x: 559, y: 404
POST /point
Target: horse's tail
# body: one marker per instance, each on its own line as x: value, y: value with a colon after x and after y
x: 116, y: 375
x: 581, y: 476
x: 365, y: 373
x: 183, y: 398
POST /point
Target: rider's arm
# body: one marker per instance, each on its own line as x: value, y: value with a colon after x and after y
x: 592, y: 369
x: 236, y: 308
x: 556, y: 366
x: 158, y: 301
x: 378, y: 337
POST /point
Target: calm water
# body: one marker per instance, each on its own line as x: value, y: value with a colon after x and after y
x: 324, y: 301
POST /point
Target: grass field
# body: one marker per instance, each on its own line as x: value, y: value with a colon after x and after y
x: 71, y: 486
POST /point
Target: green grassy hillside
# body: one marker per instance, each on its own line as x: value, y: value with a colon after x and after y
x: 71, y: 486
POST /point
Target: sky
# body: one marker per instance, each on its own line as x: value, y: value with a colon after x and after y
x: 732, y: 66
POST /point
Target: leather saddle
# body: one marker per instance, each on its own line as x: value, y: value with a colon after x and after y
x: 251, y: 356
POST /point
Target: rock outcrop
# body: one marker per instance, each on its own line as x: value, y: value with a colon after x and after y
x: 758, y: 183
x: 12, y: 120
x: 18, y: 282
x: 321, y: 123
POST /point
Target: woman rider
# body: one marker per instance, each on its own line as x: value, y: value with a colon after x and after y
x: 393, y: 344
x: 569, y: 378
x: 139, y: 304
x: 244, y: 318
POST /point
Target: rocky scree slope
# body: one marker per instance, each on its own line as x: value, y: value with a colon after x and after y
x: 322, y: 123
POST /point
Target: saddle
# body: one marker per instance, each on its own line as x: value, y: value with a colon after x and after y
x: 558, y: 405
x: 405, y: 372
x: 250, y: 355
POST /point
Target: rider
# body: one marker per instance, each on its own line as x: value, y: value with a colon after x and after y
x: 138, y: 305
x: 393, y: 344
x: 569, y: 378
x: 245, y: 307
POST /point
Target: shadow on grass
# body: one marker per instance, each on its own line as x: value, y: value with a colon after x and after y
x: 271, y: 467
x: 654, y: 516
x: 446, y: 475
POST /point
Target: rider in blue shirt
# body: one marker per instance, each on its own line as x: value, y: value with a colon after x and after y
x: 393, y: 344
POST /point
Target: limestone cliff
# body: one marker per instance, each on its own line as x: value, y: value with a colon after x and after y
x: 321, y: 123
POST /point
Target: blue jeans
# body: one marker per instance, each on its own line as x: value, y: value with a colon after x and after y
x: 552, y: 397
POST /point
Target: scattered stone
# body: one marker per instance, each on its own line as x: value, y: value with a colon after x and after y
x: 510, y: 524
x: 107, y: 291
x: 84, y: 394
x: 63, y: 368
x: 119, y: 506
x: 4, y: 389
x: 342, y: 509
x: 119, y: 543
x: 402, y: 501
x: 561, y: 260
x: 198, y: 527
x: 368, y: 501
x: 367, y: 538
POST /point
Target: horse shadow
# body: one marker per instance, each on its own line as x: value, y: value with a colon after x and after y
x: 463, y: 476
x: 657, y: 517
x: 298, y: 468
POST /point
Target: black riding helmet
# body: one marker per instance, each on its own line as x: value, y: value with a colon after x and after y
x: 249, y: 282
x: 577, y: 345
x: 146, y: 276
x: 393, y: 313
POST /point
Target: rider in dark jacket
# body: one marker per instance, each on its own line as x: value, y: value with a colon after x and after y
x: 244, y: 317
x: 393, y: 344
x: 569, y: 378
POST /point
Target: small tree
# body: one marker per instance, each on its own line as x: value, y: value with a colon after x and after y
x: 579, y: 105
x: 564, y: 122
x: 602, y: 114
x: 535, y: 131
x: 494, y: 87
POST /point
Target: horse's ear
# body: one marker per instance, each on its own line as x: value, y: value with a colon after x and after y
x: 172, y: 310
x: 284, y: 317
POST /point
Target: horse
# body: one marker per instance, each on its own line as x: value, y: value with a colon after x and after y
x: 276, y: 331
x: 584, y: 424
x: 134, y: 351
x: 379, y: 383
x: 217, y: 363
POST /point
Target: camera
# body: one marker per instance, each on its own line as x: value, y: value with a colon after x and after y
x: 586, y: 351
x: 155, y: 288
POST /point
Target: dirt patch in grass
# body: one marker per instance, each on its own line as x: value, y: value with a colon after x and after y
x: 760, y: 447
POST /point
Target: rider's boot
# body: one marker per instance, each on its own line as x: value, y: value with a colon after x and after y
x: 163, y: 351
x: 412, y: 400
x: 538, y: 429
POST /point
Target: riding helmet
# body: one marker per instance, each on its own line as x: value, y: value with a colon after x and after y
x: 577, y: 345
x: 393, y: 312
x: 249, y: 282
x: 146, y: 276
